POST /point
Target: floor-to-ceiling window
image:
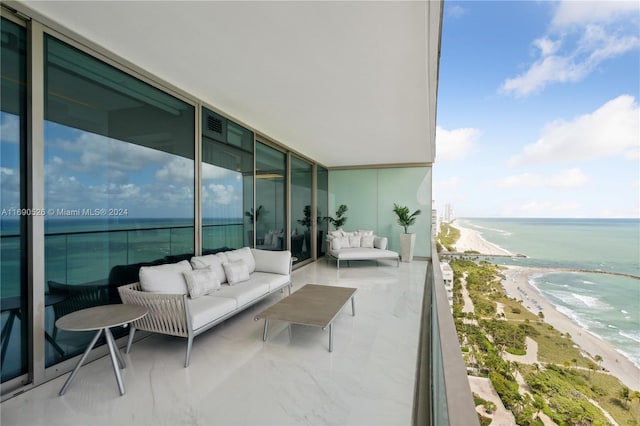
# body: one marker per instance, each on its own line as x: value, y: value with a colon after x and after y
x: 322, y: 203
x: 302, y: 215
x: 227, y: 183
x: 118, y: 181
x: 270, y: 197
x: 13, y: 283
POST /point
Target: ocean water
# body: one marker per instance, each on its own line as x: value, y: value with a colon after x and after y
x: 84, y: 250
x: 607, y: 306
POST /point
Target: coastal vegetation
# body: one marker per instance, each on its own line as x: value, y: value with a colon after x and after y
x: 447, y: 238
x: 563, y: 383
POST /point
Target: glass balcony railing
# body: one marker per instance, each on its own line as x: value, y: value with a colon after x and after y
x: 75, y: 257
x: 442, y: 393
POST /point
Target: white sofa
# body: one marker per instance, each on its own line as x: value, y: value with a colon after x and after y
x: 358, y: 245
x: 186, y: 298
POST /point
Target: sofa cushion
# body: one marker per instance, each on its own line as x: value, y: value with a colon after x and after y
x: 244, y: 292
x: 275, y: 281
x: 367, y: 241
x: 236, y: 272
x: 354, y: 241
x: 277, y: 262
x: 365, y: 253
x: 243, y: 254
x: 365, y: 232
x: 380, y: 243
x: 167, y: 279
x: 211, y: 260
x: 201, y: 281
x: 208, y: 308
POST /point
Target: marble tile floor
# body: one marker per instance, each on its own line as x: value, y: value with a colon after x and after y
x: 235, y: 378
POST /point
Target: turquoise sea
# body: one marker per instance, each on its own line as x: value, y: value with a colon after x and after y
x: 607, y: 306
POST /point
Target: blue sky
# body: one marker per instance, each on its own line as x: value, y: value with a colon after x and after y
x: 538, y: 109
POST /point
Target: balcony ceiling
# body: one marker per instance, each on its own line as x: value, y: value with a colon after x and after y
x: 344, y: 83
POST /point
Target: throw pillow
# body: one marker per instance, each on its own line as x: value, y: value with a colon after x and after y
x: 243, y: 254
x: 201, y: 281
x: 365, y: 233
x: 367, y: 241
x: 354, y: 241
x: 166, y: 279
x: 380, y: 242
x: 210, y: 260
x: 237, y: 272
x: 334, y: 234
x: 335, y: 244
x: 344, y: 242
x: 274, y: 262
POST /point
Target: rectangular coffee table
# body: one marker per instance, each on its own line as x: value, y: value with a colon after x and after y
x: 314, y: 305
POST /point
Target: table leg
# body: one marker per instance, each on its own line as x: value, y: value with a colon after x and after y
x: 264, y: 333
x: 331, y: 337
x: 353, y: 306
x: 121, y: 361
x: 77, y: 367
x: 115, y: 359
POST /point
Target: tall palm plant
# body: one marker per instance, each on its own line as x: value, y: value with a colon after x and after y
x: 405, y: 219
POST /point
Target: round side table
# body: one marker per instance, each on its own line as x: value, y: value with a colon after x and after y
x: 101, y: 318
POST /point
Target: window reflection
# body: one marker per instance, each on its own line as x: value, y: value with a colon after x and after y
x: 13, y: 280
x: 119, y: 184
x: 227, y: 183
x: 270, y: 198
x: 302, y: 216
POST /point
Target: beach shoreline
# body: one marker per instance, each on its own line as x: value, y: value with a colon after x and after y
x: 471, y: 240
x: 517, y: 285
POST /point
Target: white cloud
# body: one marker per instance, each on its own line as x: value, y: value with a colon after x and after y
x: 448, y: 185
x: 571, y: 178
x: 546, y: 45
x: 455, y: 11
x: 211, y: 172
x: 455, y: 144
x: 9, y: 128
x: 571, y: 13
x: 97, y: 151
x: 178, y: 170
x: 611, y: 130
x: 592, y: 32
x: 220, y: 194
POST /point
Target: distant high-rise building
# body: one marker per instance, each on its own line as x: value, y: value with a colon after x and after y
x: 448, y: 213
x: 435, y: 223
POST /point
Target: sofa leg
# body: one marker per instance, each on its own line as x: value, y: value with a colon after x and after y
x: 132, y: 331
x: 187, y: 358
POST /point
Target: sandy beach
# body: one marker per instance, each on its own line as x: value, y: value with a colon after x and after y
x: 518, y: 276
x: 472, y: 240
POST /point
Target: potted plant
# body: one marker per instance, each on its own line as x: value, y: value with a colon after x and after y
x: 306, y: 222
x: 407, y: 240
x: 251, y: 215
x: 340, y: 219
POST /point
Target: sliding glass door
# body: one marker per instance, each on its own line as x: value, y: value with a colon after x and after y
x: 270, y: 210
x: 118, y: 179
x: 302, y: 214
x: 13, y: 221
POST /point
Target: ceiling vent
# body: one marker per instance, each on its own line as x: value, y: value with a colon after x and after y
x: 214, y: 126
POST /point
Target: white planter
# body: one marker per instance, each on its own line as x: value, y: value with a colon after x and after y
x: 407, y: 243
